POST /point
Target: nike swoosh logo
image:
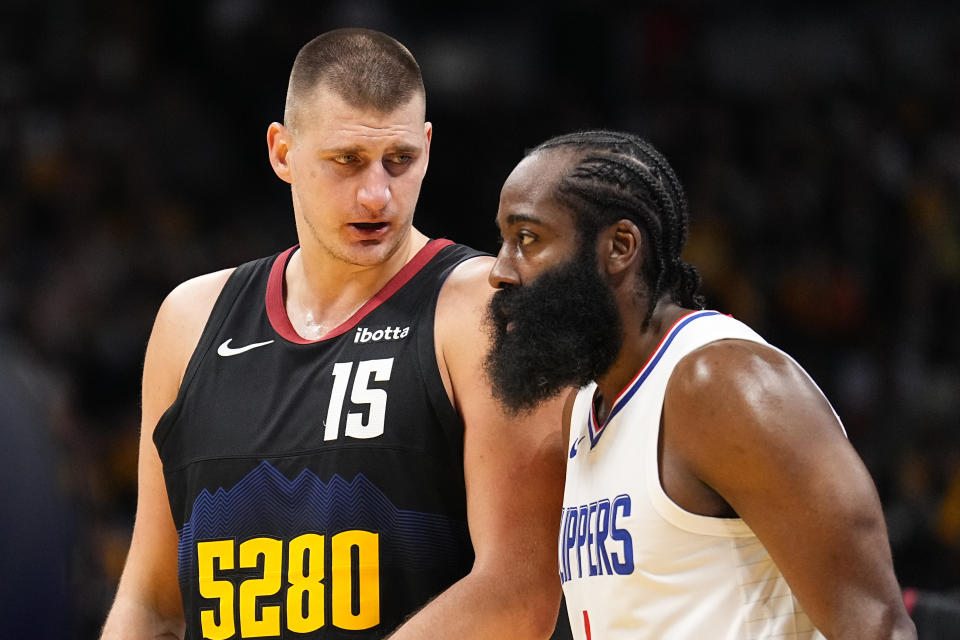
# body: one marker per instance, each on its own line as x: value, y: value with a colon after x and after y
x: 226, y: 350
x: 573, y: 449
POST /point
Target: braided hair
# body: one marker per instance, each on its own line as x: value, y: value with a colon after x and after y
x: 618, y: 175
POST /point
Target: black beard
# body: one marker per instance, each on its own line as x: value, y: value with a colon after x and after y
x: 565, y: 331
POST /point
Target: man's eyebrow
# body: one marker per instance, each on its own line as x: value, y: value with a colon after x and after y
x: 352, y: 149
x: 514, y: 218
x: 359, y: 150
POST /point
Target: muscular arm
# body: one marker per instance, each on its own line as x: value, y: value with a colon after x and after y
x: 747, y: 423
x: 514, y: 470
x: 148, y: 602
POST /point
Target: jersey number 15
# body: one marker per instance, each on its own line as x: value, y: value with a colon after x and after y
x: 360, y: 394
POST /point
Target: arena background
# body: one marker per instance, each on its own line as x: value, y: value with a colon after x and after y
x: 819, y: 144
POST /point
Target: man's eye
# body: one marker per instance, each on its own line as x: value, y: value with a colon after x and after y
x: 401, y: 158
x: 526, y: 238
x: 346, y: 158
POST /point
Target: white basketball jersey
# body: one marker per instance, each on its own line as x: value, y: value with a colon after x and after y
x: 633, y: 563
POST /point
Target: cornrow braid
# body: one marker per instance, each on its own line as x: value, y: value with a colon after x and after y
x: 619, y: 175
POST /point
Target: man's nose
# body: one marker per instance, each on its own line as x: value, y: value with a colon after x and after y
x: 374, y: 193
x: 503, y: 274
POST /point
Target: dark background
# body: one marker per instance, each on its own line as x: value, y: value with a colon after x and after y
x: 819, y: 144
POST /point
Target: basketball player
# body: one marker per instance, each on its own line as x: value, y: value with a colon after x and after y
x: 711, y: 491
x: 319, y: 457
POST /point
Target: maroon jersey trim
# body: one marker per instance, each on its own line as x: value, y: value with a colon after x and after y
x: 277, y: 312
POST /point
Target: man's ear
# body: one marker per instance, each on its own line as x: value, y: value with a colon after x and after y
x: 620, y: 247
x: 278, y: 147
x: 428, y: 136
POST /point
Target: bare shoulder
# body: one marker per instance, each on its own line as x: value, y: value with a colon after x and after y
x: 468, y: 282
x: 195, y: 297
x: 729, y: 363
x: 736, y: 410
x: 739, y: 382
x: 181, y: 319
x: 742, y: 377
x: 461, y: 337
x: 461, y: 307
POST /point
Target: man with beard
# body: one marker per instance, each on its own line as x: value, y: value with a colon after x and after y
x: 711, y: 491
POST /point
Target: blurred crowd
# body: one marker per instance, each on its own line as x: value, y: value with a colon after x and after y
x: 820, y: 149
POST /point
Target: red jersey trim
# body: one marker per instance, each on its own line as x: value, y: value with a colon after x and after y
x: 277, y: 312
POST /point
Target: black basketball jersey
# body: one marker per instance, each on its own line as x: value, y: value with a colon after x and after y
x: 316, y: 486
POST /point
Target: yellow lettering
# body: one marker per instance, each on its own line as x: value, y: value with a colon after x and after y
x: 366, y: 546
x: 354, y: 585
x: 268, y: 624
x: 305, y: 593
x: 221, y: 590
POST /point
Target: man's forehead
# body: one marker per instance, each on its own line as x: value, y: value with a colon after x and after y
x: 360, y: 133
x: 324, y: 96
x: 546, y: 167
x: 330, y: 113
x: 530, y: 193
x: 343, y: 126
x: 536, y: 176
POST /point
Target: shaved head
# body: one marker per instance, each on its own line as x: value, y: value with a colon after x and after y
x: 368, y: 69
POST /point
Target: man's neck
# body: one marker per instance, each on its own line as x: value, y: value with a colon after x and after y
x: 321, y: 292
x: 639, y: 343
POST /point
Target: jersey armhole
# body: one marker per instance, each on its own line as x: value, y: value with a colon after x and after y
x: 677, y: 516
x: 237, y: 280
x: 663, y: 504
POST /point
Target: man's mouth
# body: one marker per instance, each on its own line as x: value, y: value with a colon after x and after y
x: 370, y: 228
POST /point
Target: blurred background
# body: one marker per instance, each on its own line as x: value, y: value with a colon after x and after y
x: 819, y: 144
